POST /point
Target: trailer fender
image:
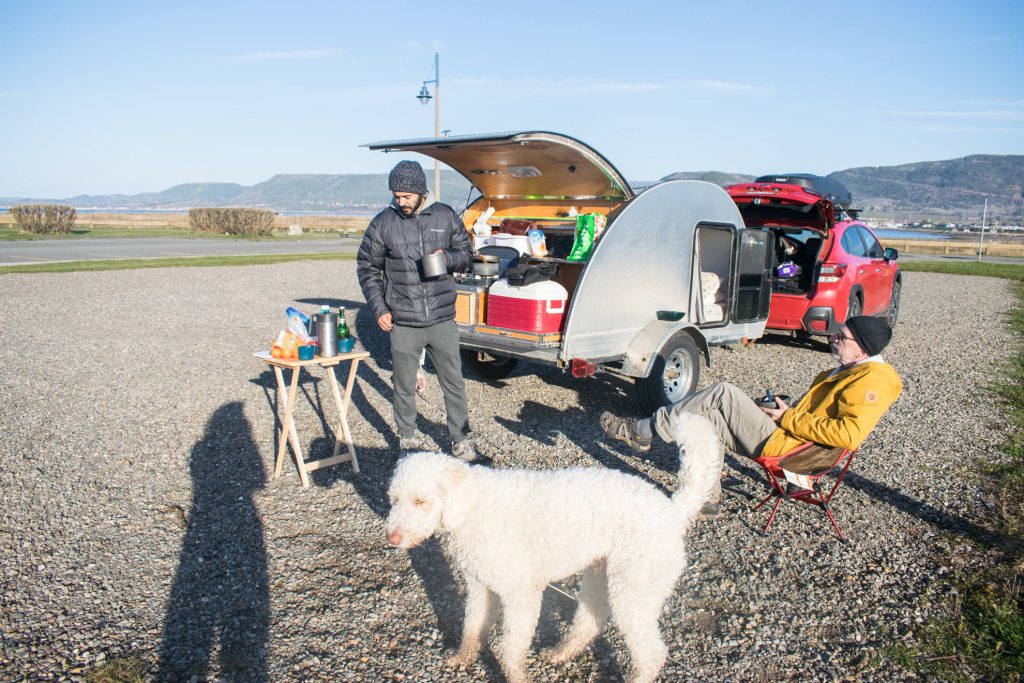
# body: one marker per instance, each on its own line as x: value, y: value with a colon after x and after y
x: 639, y: 358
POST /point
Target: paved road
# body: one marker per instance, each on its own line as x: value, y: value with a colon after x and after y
x: 48, y: 251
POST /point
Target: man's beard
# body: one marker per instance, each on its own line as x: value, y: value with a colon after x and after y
x: 410, y: 210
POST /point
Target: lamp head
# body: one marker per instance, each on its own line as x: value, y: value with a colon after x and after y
x: 424, y: 95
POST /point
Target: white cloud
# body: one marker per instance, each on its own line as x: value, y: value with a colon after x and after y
x: 282, y: 56
x: 963, y: 129
x: 578, y: 86
x: 980, y: 114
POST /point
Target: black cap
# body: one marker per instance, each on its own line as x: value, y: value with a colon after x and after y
x: 407, y: 176
x: 871, y: 333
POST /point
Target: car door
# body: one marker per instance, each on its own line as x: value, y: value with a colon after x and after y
x: 879, y: 274
x: 859, y: 264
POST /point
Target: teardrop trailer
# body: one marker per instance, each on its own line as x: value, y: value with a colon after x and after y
x: 673, y: 272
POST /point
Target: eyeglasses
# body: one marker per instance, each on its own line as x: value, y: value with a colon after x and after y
x: 839, y: 336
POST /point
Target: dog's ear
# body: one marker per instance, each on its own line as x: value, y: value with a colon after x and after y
x: 455, y: 474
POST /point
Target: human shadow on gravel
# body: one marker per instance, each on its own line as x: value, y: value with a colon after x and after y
x: 219, y: 601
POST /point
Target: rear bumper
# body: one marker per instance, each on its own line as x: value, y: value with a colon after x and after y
x: 793, y: 312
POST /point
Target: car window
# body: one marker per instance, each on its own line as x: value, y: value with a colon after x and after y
x: 852, y: 243
x: 874, y: 248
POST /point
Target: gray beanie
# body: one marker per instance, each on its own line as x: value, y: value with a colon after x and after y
x: 407, y: 176
x: 871, y: 333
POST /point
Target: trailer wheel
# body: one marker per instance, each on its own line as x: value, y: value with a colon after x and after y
x: 674, y: 375
x: 496, y: 367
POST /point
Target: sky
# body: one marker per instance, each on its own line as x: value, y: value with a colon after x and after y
x: 129, y: 97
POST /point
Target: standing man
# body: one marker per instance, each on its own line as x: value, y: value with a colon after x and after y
x: 840, y: 408
x: 418, y: 312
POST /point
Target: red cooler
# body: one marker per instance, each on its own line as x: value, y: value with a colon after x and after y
x: 539, y: 307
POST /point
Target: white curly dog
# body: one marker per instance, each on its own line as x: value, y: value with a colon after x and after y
x: 514, y: 531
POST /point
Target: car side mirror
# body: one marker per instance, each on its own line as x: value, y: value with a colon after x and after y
x: 890, y: 254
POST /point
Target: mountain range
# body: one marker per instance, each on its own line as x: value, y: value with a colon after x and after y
x: 955, y: 187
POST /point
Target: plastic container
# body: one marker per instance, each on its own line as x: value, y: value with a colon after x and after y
x: 307, y: 352
x: 539, y: 307
x: 346, y: 345
x: 521, y: 243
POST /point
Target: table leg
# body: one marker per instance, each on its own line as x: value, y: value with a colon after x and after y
x: 288, y: 430
x: 343, y: 405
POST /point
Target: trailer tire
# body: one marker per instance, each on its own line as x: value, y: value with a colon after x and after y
x: 674, y: 376
x: 499, y: 367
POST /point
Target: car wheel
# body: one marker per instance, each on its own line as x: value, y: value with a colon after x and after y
x: 674, y: 375
x: 494, y: 367
x: 854, y: 307
x: 894, y: 304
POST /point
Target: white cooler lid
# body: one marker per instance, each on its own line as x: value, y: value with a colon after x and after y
x: 545, y: 290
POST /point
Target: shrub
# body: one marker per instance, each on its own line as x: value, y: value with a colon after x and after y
x: 41, y: 219
x: 232, y: 221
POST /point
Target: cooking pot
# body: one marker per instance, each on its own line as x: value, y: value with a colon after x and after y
x: 435, y: 265
x: 485, y: 265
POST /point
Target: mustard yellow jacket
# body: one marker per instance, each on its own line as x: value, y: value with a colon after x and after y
x: 840, y: 410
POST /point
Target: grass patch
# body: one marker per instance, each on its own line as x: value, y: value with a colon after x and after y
x: 1009, y: 271
x: 186, y: 262
x: 981, y: 632
x: 121, y: 670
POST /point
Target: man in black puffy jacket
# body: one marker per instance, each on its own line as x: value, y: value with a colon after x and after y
x: 417, y: 311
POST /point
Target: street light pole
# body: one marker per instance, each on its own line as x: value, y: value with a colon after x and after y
x: 424, y: 97
x: 981, y: 240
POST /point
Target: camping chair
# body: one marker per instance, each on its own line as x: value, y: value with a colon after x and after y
x: 797, y: 475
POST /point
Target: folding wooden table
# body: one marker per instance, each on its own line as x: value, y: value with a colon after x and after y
x: 287, y: 433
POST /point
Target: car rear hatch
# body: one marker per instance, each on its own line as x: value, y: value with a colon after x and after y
x: 782, y: 204
x: 524, y: 165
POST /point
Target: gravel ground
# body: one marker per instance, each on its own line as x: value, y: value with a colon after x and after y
x: 138, y: 519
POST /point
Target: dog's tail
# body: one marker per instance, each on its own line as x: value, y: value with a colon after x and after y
x: 700, y: 464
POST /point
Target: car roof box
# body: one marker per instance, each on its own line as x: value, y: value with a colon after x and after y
x: 833, y: 190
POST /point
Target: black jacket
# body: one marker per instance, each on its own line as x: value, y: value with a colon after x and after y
x: 389, y: 269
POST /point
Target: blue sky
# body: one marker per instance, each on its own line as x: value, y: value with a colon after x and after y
x: 127, y: 97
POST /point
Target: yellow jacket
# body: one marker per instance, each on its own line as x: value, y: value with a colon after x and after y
x: 840, y: 410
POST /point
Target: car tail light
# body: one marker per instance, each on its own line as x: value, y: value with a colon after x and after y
x: 831, y: 272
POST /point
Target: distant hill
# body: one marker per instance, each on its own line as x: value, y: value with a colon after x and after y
x: 952, y: 187
x: 956, y: 185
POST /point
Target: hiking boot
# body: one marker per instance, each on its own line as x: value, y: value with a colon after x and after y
x: 709, y: 511
x: 624, y: 429
x: 463, y: 450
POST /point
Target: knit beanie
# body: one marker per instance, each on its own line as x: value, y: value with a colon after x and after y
x: 407, y: 176
x: 870, y: 332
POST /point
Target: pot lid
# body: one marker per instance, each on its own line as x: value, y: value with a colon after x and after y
x: 522, y: 164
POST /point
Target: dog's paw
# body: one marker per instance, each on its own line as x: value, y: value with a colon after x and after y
x: 459, y: 659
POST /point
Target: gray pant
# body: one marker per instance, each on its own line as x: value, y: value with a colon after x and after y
x: 740, y: 424
x: 442, y: 342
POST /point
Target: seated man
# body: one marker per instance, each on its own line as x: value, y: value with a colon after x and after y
x: 840, y: 408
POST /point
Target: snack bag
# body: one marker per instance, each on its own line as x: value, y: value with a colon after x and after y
x: 298, y: 324
x: 538, y: 243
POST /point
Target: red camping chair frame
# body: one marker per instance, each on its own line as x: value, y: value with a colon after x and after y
x: 774, y: 467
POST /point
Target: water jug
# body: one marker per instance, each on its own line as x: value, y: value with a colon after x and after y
x: 327, y: 334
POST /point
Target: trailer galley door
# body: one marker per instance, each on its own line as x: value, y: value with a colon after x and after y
x: 753, y: 276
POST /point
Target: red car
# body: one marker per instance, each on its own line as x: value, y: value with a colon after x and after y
x: 829, y: 266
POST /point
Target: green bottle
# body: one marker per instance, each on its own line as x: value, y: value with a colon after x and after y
x: 342, y: 325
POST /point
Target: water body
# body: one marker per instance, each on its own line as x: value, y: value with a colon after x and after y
x: 910, y: 235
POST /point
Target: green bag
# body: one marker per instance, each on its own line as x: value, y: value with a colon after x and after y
x: 584, y: 242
